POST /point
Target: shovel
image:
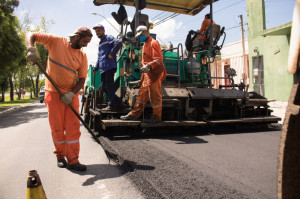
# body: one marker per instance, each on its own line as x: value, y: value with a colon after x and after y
x: 110, y: 155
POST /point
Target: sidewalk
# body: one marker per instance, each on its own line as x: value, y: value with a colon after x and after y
x: 279, y: 109
x: 13, y: 108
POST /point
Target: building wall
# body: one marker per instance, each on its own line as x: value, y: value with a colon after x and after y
x: 233, y: 53
x: 273, y: 49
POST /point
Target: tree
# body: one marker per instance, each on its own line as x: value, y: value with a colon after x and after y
x: 32, y: 72
x: 41, y: 49
x: 4, y: 87
x: 12, y: 46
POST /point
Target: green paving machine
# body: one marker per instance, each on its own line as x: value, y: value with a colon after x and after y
x: 189, y: 98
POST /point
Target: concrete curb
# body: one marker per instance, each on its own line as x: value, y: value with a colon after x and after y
x: 14, y: 108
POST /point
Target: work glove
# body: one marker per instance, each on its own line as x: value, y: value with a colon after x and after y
x: 32, y: 55
x: 67, y: 98
x: 145, y: 69
x: 191, y: 32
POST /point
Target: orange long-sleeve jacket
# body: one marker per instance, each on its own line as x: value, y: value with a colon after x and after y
x: 204, y: 27
x: 152, y: 55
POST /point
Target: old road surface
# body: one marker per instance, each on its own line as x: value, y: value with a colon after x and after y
x: 164, y: 163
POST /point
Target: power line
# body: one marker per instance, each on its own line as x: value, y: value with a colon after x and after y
x: 235, y: 27
x: 158, y: 15
x: 164, y: 16
x: 229, y: 6
x: 166, y: 19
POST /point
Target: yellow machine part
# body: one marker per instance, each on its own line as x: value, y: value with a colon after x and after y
x: 190, y: 7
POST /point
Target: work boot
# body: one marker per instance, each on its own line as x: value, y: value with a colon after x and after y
x: 108, y: 108
x: 77, y: 167
x: 113, y: 108
x: 62, y: 163
x: 152, y: 120
x: 121, y: 106
x: 129, y: 117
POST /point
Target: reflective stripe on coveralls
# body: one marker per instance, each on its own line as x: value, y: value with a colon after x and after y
x: 66, y: 67
x: 64, y: 126
x: 59, y: 142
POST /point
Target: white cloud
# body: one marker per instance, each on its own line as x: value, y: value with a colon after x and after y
x: 166, y: 31
x: 22, y: 13
x: 92, y: 50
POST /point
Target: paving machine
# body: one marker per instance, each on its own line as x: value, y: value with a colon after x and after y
x: 189, y: 98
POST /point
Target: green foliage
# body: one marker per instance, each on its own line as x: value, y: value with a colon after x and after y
x: 24, y: 100
x: 13, y: 63
x: 42, y: 83
x: 7, y: 8
x: 41, y: 49
x: 32, y: 72
x: 12, y: 45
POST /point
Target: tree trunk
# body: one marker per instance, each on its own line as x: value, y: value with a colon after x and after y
x: 37, y: 85
x: 20, y: 89
x: 3, y: 95
x: 33, y: 87
x: 11, y: 84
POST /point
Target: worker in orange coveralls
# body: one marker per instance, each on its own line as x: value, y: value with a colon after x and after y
x: 204, y: 27
x: 65, y: 61
x: 153, y: 73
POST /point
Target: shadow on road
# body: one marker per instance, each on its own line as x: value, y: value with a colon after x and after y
x: 105, y: 171
x: 188, y: 135
x: 22, y: 115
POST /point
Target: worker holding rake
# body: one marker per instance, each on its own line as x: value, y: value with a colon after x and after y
x: 66, y: 62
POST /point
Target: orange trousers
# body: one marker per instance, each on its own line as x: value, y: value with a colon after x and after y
x: 152, y: 91
x: 65, y: 126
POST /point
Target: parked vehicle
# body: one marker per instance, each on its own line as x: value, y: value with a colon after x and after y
x: 42, y: 94
x: 23, y: 91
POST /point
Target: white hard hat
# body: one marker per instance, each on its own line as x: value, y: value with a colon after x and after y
x: 140, y: 29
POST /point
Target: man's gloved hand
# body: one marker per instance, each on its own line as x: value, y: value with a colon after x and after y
x: 67, y: 98
x: 32, y: 55
x: 192, y: 32
x: 145, y: 69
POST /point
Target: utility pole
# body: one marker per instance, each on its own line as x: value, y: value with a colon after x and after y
x: 245, y: 76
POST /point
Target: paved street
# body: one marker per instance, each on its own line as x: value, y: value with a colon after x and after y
x: 232, y: 164
x: 167, y: 163
x: 26, y: 144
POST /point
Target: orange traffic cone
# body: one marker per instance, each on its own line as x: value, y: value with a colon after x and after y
x: 35, y: 188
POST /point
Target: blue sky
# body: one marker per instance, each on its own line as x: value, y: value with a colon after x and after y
x: 68, y: 15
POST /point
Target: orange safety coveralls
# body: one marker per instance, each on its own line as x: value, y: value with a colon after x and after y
x: 204, y: 27
x: 151, y: 81
x: 63, y: 64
